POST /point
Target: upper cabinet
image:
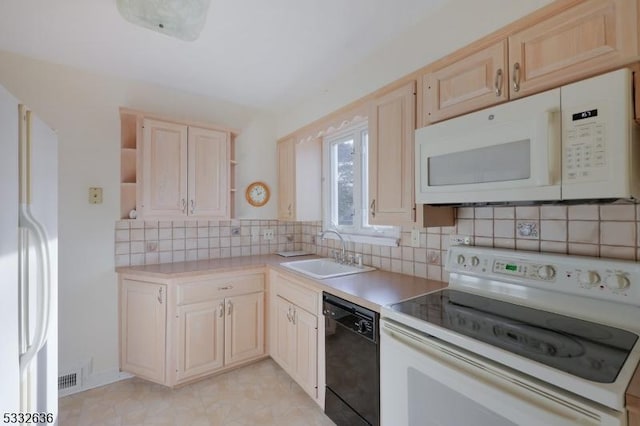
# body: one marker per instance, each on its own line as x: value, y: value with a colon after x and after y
x: 175, y: 170
x: 587, y: 38
x: 473, y: 82
x: 592, y: 37
x: 391, y: 129
x: 164, y: 169
x: 299, y: 180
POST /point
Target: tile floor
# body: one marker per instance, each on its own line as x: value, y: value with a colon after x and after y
x: 258, y: 394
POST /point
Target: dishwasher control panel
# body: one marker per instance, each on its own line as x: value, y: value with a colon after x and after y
x: 351, y: 316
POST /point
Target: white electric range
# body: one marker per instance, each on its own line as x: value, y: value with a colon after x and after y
x: 517, y: 338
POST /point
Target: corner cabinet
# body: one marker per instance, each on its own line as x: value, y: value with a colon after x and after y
x: 299, y: 180
x: 173, y: 170
x: 176, y: 331
x: 296, y: 330
x: 581, y: 39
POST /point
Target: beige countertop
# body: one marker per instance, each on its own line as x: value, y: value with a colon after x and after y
x: 369, y: 289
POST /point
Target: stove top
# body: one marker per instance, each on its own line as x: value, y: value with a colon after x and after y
x: 582, y: 348
x: 572, y: 322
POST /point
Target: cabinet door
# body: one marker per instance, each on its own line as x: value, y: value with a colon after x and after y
x: 244, y: 328
x: 591, y: 37
x: 284, y: 338
x: 306, y: 326
x: 286, y: 179
x: 209, y: 165
x: 142, y: 329
x: 164, y: 169
x: 474, y: 82
x: 200, y: 338
x: 391, y: 183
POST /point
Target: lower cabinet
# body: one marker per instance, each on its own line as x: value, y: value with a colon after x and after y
x: 175, y: 332
x: 294, y: 331
x: 143, y: 319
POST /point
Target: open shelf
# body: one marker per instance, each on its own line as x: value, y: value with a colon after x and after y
x: 128, y: 162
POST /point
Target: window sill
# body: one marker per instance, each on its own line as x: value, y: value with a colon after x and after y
x: 365, y: 239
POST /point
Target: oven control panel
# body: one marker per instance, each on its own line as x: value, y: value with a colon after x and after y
x: 593, y: 277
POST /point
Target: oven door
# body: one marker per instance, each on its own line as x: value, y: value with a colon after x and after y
x: 425, y: 381
x: 509, y: 152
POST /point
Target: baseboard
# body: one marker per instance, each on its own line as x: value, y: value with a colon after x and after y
x: 99, y: 379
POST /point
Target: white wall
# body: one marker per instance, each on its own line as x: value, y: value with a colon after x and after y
x: 452, y: 26
x: 83, y: 108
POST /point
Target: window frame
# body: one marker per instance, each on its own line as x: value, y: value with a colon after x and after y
x: 360, y: 231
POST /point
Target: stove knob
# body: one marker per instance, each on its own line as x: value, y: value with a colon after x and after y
x: 618, y: 282
x: 475, y: 261
x: 460, y: 259
x: 362, y: 326
x: 589, y: 279
x: 546, y: 272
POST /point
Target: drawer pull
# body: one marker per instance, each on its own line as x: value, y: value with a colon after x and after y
x: 226, y: 287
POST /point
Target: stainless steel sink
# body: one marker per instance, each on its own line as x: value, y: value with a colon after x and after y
x: 325, y: 268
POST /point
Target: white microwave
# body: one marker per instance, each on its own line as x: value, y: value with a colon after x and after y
x: 577, y: 142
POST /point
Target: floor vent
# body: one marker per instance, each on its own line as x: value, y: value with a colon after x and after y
x: 69, y: 383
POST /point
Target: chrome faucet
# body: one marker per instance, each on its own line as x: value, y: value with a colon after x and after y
x: 333, y: 231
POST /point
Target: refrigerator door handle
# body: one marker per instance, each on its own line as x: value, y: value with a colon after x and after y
x: 28, y: 222
x: 44, y: 295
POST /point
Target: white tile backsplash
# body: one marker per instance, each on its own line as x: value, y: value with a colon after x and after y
x: 591, y: 230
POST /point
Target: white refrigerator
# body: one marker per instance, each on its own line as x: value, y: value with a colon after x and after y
x: 28, y: 266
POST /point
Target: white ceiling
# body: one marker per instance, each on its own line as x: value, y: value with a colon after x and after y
x: 263, y: 54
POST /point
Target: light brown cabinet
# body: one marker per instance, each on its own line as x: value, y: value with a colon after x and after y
x: 592, y: 37
x: 219, y: 332
x: 175, y: 170
x: 175, y: 332
x: 390, y: 152
x: 200, y: 338
x: 295, y: 331
x: 299, y: 180
x: 474, y: 82
x: 185, y: 171
x: 588, y: 38
x: 143, y: 317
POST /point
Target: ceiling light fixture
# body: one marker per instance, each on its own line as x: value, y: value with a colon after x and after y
x: 183, y: 19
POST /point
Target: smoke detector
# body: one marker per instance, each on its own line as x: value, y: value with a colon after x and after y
x: 182, y: 19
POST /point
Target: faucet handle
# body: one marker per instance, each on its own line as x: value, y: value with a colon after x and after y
x: 358, y: 260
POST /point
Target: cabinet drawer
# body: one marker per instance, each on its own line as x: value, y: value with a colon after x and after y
x: 296, y: 293
x: 216, y: 288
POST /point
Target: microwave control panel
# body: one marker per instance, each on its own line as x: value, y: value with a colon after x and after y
x: 585, y: 147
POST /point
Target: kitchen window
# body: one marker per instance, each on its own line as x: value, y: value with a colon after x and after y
x: 345, y: 187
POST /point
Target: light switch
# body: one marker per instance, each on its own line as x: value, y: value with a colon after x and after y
x: 95, y: 195
x: 415, y: 238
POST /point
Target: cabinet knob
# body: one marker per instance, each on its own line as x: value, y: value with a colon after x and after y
x: 221, y: 310
x: 184, y: 205
x: 373, y: 208
x: 160, y: 295
x: 229, y: 308
x: 193, y: 206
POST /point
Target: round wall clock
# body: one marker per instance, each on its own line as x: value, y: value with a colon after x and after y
x: 257, y: 194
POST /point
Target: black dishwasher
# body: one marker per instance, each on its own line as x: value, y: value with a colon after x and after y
x: 352, y: 363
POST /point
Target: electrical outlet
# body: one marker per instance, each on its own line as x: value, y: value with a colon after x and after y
x: 415, y: 238
x: 267, y: 234
x: 460, y: 240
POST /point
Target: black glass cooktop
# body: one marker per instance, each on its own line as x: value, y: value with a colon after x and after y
x: 592, y: 351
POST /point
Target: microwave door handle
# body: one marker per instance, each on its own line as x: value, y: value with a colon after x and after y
x: 547, y: 163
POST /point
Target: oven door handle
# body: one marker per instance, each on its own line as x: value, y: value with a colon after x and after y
x: 485, y: 379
